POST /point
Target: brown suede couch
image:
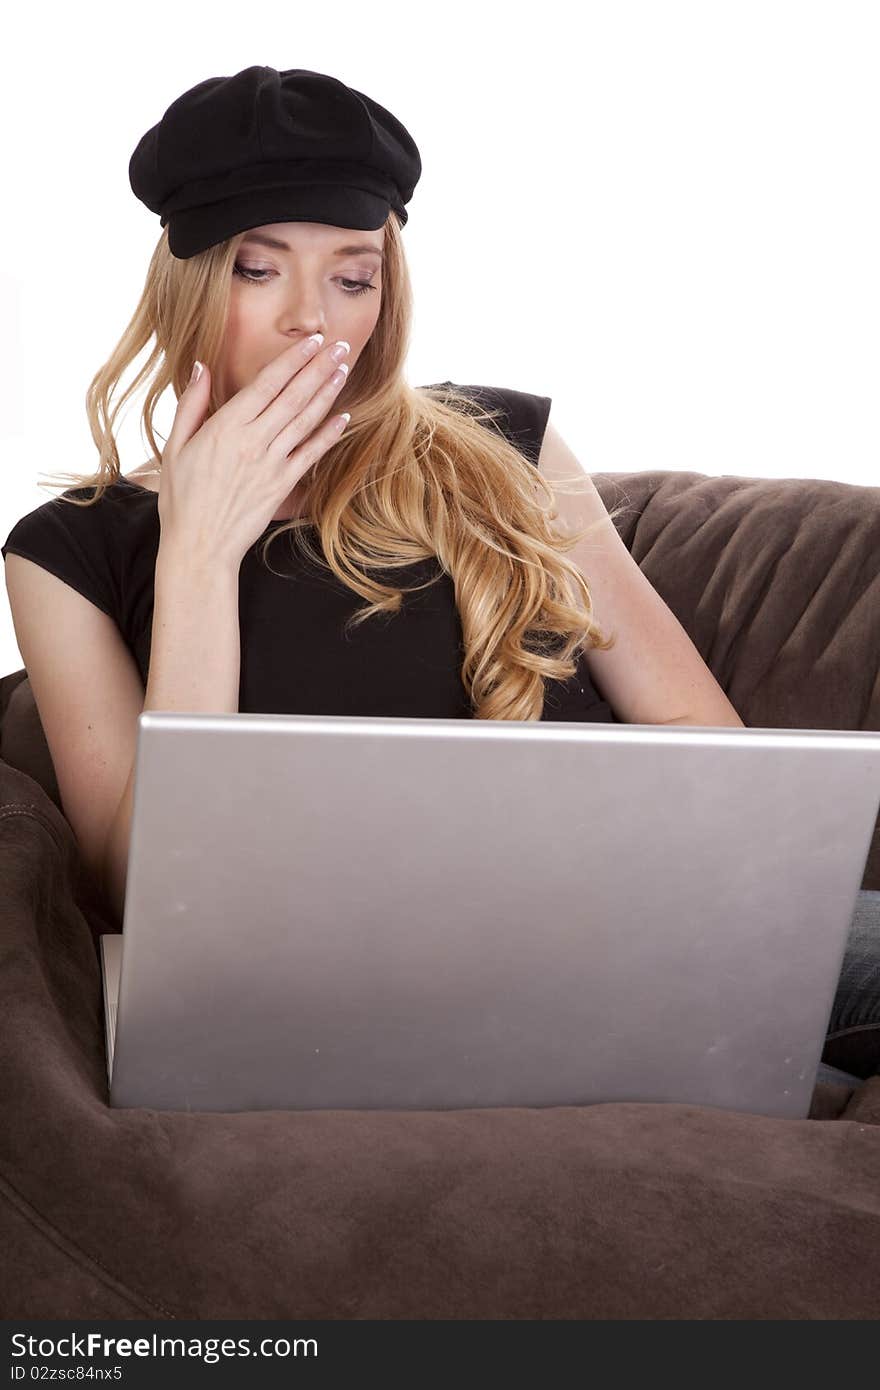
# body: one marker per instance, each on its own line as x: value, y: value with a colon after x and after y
x: 604, y: 1211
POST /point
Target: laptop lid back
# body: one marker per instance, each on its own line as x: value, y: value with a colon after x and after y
x: 333, y: 912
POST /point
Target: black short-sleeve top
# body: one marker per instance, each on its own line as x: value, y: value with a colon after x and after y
x: 295, y: 656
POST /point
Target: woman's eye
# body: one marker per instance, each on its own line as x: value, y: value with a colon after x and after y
x: 247, y: 273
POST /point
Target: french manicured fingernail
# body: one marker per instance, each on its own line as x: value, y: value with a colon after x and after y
x: 196, y: 372
x: 313, y: 342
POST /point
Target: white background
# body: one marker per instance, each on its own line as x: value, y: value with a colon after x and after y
x: 666, y: 216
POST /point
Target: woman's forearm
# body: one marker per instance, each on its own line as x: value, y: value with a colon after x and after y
x: 195, y: 667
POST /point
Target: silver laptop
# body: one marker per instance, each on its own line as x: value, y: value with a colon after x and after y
x: 335, y: 912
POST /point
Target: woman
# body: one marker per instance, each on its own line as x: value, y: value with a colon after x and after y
x: 281, y: 275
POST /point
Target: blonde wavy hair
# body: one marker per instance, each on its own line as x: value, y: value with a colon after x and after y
x: 416, y: 474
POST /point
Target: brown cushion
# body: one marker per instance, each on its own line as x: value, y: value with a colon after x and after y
x: 22, y: 741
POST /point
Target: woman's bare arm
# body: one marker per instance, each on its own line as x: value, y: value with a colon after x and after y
x: 195, y: 666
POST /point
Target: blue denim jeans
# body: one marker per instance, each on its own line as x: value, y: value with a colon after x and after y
x: 852, y: 1045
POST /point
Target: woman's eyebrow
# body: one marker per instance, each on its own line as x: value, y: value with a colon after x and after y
x: 361, y: 249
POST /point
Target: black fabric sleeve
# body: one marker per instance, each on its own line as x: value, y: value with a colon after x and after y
x: 70, y: 543
x: 522, y: 419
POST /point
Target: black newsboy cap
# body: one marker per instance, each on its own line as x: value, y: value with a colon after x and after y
x: 266, y: 146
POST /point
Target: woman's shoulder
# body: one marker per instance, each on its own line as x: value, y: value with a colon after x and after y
x: 521, y: 416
